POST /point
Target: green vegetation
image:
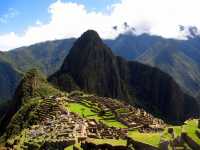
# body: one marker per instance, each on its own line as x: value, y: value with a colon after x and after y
x: 190, y: 128
x: 62, y: 81
x: 167, y: 137
x: 71, y: 147
x: 28, y: 98
x: 26, y: 116
x: 148, y: 138
x: 34, y: 84
x: 154, y: 138
x: 87, y: 110
x: 9, y: 79
x: 81, y: 109
x: 113, y: 142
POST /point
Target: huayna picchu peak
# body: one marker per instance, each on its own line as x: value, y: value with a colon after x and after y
x: 92, y: 67
x: 97, y: 100
x: 90, y: 36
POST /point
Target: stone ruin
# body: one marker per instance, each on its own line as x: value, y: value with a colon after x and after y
x: 133, y: 118
x: 58, y: 125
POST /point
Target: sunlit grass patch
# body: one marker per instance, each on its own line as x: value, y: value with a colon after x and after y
x: 113, y: 142
x: 84, y: 111
x: 148, y: 138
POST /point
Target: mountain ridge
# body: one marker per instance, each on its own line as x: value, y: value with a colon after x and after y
x: 148, y: 49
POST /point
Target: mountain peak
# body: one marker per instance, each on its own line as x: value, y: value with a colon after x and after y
x: 92, y: 66
x: 89, y: 38
x: 91, y: 34
x: 88, y: 49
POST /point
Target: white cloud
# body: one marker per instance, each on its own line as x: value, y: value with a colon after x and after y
x: 161, y: 17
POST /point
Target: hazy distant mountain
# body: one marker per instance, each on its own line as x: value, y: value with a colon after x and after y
x: 131, y: 46
x: 46, y: 56
x: 93, y: 67
x: 179, y: 58
x: 9, y: 79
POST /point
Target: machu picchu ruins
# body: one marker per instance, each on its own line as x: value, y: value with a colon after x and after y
x: 60, y: 127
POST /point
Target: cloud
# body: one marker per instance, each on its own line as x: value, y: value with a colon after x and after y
x: 11, y: 13
x: 69, y: 19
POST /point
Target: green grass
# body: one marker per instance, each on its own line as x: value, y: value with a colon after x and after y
x: 122, y: 110
x: 81, y: 109
x: 190, y: 127
x: 113, y: 142
x: 86, y: 111
x: 148, y: 138
x: 71, y: 147
x: 177, y: 130
x: 167, y: 137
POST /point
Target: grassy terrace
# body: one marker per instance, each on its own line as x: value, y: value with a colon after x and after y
x: 190, y: 127
x: 101, y: 141
x: 154, y: 138
x: 113, y: 142
x: 88, y: 111
x: 71, y: 147
x: 147, y: 138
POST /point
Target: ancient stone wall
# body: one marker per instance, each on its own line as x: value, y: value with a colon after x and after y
x: 139, y: 146
x: 57, y: 145
x: 92, y: 146
x: 190, y: 142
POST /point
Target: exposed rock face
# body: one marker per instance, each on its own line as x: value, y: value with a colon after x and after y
x: 93, y: 67
x: 92, y: 146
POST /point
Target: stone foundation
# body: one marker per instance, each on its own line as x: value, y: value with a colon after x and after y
x: 92, y: 146
x: 140, y: 146
x: 190, y: 142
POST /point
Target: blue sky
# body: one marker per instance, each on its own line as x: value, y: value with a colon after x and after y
x: 29, y: 11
